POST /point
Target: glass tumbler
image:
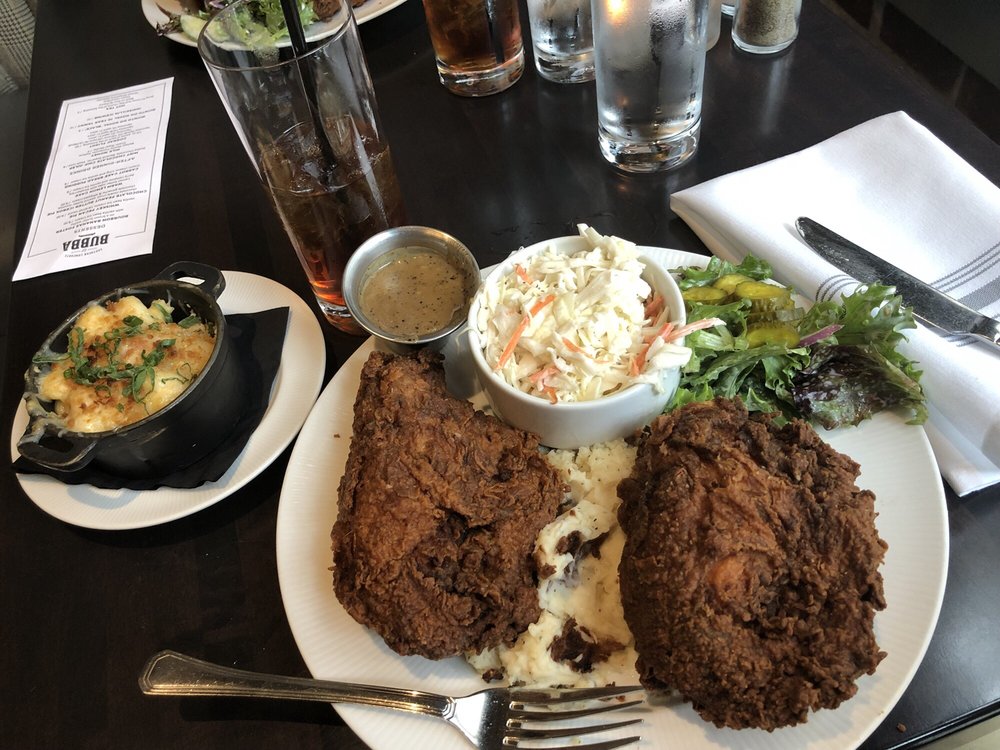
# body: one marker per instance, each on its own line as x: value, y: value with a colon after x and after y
x: 649, y: 57
x: 562, y: 38
x: 310, y: 124
x: 477, y: 44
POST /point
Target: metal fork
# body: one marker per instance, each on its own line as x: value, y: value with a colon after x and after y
x: 491, y: 719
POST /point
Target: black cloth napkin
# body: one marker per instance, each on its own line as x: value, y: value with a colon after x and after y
x: 258, y: 339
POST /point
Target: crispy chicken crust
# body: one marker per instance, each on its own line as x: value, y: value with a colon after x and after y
x: 750, y: 574
x: 438, y: 513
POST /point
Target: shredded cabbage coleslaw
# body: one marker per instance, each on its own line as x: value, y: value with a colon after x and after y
x: 579, y: 326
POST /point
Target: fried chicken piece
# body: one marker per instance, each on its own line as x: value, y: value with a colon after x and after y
x: 438, y: 513
x: 750, y: 573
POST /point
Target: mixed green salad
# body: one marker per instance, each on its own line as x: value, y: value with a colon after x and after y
x: 834, y: 364
x: 265, y: 23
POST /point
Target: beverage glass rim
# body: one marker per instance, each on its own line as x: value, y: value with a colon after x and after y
x: 320, y: 43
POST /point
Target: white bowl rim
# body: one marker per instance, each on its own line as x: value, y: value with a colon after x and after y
x: 504, y: 267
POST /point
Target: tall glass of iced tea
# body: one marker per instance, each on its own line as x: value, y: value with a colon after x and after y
x: 477, y: 44
x: 311, y: 127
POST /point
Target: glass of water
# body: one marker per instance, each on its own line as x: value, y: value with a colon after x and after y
x: 649, y: 58
x: 562, y: 37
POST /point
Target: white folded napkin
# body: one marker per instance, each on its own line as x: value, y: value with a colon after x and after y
x: 890, y: 186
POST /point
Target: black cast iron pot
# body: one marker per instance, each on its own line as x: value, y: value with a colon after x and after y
x: 185, y: 430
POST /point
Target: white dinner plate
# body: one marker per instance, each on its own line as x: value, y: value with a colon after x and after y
x: 156, y: 13
x: 296, y: 385
x: 896, y: 463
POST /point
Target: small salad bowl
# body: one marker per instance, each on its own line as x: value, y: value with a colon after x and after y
x: 573, y: 424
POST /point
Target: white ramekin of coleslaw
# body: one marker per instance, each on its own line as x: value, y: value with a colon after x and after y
x: 578, y: 339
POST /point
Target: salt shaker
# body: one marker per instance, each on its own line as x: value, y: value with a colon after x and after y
x: 765, y: 26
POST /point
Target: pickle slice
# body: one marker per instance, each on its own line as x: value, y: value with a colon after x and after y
x: 764, y: 297
x: 779, y: 333
x: 707, y: 295
x: 730, y: 281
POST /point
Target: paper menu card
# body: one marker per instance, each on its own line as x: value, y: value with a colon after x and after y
x: 101, y: 187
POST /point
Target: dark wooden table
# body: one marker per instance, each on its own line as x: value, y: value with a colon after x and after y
x: 84, y: 609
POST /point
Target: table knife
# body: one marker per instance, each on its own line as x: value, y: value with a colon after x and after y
x: 926, y: 302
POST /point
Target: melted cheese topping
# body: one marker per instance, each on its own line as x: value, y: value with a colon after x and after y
x: 109, y: 402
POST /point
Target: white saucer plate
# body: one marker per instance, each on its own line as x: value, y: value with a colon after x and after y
x: 296, y: 385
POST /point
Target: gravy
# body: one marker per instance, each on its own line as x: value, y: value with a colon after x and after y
x: 417, y: 292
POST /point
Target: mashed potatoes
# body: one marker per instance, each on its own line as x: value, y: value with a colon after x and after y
x: 581, y: 639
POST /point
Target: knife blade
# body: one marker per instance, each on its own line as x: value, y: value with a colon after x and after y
x: 927, y: 303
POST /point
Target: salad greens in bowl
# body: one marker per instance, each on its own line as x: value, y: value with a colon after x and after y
x: 264, y: 23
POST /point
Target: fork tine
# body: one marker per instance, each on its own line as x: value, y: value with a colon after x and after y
x: 607, y: 745
x: 556, y: 695
x: 529, y: 715
x: 522, y: 733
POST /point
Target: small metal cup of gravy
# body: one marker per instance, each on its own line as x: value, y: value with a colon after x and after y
x: 411, y: 286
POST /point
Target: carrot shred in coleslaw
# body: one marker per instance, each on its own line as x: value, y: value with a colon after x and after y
x: 521, y: 328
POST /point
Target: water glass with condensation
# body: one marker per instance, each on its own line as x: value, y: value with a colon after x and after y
x: 649, y: 59
x: 310, y: 124
x: 562, y: 38
x: 477, y: 44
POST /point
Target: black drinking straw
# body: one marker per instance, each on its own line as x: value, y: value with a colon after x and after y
x: 298, y: 38
x: 495, y: 41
